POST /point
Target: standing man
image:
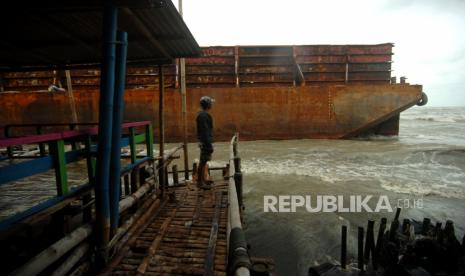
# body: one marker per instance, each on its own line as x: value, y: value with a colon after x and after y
x: 205, y: 137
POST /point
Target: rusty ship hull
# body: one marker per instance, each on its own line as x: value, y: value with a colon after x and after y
x: 263, y: 92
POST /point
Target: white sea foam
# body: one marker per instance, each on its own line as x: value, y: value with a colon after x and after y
x: 442, y: 119
x: 427, y: 160
x: 420, y: 173
x: 442, y: 115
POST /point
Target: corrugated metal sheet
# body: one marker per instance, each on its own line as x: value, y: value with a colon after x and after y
x: 60, y: 33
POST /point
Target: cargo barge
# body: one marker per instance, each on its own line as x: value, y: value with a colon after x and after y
x: 290, y: 92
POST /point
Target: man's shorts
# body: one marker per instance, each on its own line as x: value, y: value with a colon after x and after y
x: 206, y: 151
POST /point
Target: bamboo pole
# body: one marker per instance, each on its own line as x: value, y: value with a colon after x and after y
x: 70, y: 93
x: 161, y: 121
x: 102, y: 177
x: 67, y: 265
x: 182, y: 63
x: 130, y: 200
x: 54, y: 252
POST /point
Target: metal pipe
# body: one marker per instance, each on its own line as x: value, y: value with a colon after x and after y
x: 233, y: 202
x: 107, y: 87
x: 237, y: 164
x: 238, y: 257
x: 47, y: 257
x: 242, y: 271
x: 118, y: 111
x: 238, y: 183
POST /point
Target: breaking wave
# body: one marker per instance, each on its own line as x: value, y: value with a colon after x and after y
x: 440, y: 115
x: 420, y: 173
x: 441, y: 119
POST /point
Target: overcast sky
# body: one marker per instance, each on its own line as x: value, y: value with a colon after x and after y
x: 429, y: 35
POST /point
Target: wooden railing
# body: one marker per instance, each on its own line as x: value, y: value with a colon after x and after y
x: 58, y: 158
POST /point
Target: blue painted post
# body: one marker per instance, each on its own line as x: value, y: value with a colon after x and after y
x: 118, y: 110
x: 107, y: 88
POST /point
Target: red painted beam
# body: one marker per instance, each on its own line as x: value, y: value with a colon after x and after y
x: 33, y: 139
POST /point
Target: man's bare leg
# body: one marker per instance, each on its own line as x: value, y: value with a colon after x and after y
x: 206, y: 175
x: 202, y: 178
x: 200, y: 174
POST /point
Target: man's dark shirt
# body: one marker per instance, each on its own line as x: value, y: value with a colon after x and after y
x: 204, y: 127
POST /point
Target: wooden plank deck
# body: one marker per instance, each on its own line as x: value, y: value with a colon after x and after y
x: 186, y: 233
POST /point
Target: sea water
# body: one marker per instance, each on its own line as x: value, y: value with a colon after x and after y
x: 422, y: 170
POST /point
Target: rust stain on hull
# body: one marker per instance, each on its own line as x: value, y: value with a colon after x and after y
x: 327, y: 111
x: 264, y: 92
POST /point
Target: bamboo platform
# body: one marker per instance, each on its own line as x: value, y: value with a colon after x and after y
x: 165, y: 227
x: 186, y: 233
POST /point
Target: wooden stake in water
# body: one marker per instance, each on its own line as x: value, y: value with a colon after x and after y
x: 343, y: 246
x: 370, y: 241
x: 379, y: 240
x: 360, y: 248
x: 425, y: 226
